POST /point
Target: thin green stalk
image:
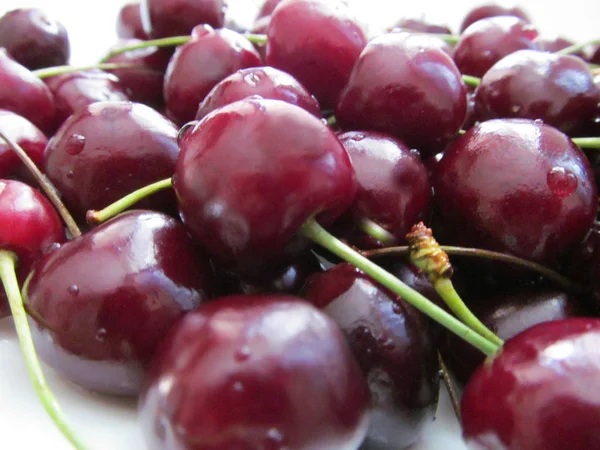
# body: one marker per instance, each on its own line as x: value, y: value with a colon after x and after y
x: 376, y: 231
x: 576, y: 47
x: 587, y: 142
x: 164, y: 42
x: 471, y: 81
x: 59, y: 70
x: 257, y: 39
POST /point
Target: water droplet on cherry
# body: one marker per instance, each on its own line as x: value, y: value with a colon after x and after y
x: 357, y: 137
x: 561, y: 181
x: 538, y: 122
x: 252, y: 79
x: 70, y: 174
x: 75, y: 144
x: 238, y: 386
x: 243, y: 353
x: 101, y: 334
x: 73, y: 290
x: 274, y: 438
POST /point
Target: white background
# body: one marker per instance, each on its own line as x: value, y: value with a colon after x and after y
x: 109, y: 424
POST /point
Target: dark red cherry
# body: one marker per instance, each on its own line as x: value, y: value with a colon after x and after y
x: 267, y: 8
x: 108, y: 150
x: 487, y: 41
x: 317, y: 42
x: 75, y: 90
x: 25, y: 94
x: 393, y: 344
x: 595, y: 58
x: 255, y: 372
x: 541, y: 392
x: 421, y: 26
x: 555, y: 43
x: 34, y: 39
x: 516, y: 186
x: 163, y: 18
x: 251, y: 173
x: 103, y: 302
x: 421, y: 98
x: 186, y: 84
x: 129, y: 22
x: 492, y: 10
x: 394, y: 190
x: 266, y: 82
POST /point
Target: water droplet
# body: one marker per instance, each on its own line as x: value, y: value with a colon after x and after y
x: 274, y: 438
x: 597, y: 119
x: 357, y: 137
x: 73, y: 290
x: 70, y: 173
x: 238, y: 386
x: 243, y: 353
x: 538, y: 122
x: 388, y: 344
x: 561, y: 181
x: 75, y: 144
x: 252, y: 79
x: 101, y: 335
x: 515, y: 109
x: 415, y: 152
x: 397, y: 308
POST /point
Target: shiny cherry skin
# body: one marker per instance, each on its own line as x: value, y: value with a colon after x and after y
x: 317, y: 42
x: 75, y: 90
x: 25, y: 94
x: 224, y: 51
x: 541, y: 392
x: 266, y: 82
x: 164, y: 18
x: 34, y: 39
x: 394, y: 190
x: 393, y: 345
x: 250, y: 372
x: 516, y: 186
x: 421, y: 98
x: 251, y: 173
x: 492, y: 10
x: 106, y: 151
x: 30, y: 228
x: 420, y: 26
x: 487, y: 41
x: 104, y: 301
x: 129, y: 22
x: 558, y: 89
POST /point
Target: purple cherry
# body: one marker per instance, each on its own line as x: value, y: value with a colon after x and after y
x: 129, y: 22
x: 492, y: 10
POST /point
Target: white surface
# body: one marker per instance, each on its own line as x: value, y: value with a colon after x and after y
x: 107, y: 423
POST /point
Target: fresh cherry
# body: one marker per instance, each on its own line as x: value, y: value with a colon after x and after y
x: 492, y: 10
x: 129, y: 22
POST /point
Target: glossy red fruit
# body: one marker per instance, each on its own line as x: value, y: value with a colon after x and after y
x: 187, y: 80
x: 34, y: 39
x: 420, y: 26
x: 25, y: 94
x: 516, y: 186
x: 129, y: 22
x: 421, y: 98
x: 230, y: 377
x: 106, y: 151
x: 541, y: 392
x: 266, y: 82
x: 492, y: 10
x: 251, y: 173
x: 164, y: 18
x: 317, y: 42
x: 557, y: 89
x: 103, y: 302
x: 393, y: 344
x: 487, y: 41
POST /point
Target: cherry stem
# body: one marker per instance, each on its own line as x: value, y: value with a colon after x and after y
x: 576, y: 47
x: 59, y: 70
x: 312, y: 230
x: 471, y: 81
x: 46, y: 186
x: 587, y: 142
x: 449, y: 386
x: 376, y: 231
x: 164, y: 42
x: 96, y: 217
x: 257, y: 39
x: 331, y: 120
x: 11, y: 287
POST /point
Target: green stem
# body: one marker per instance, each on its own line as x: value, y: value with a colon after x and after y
x: 376, y: 231
x: 576, y: 47
x: 164, y: 42
x: 587, y: 142
x: 95, y: 217
x: 312, y: 230
x: 257, y: 39
x: 11, y: 287
x: 451, y: 39
x: 471, y: 81
x: 59, y: 70
x: 331, y: 120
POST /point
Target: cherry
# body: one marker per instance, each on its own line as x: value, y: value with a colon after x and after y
x: 420, y: 26
x: 555, y: 43
x: 489, y: 40
x: 421, y: 99
x: 34, y: 39
x: 25, y: 94
x: 492, y: 10
x: 552, y: 369
x: 393, y: 345
x: 164, y: 18
x: 101, y: 331
x: 129, y: 22
x: 516, y: 186
x: 224, y: 51
x: 317, y: 42
x: 249, y: 372
x: 558, y: 89
x: 108, y: 149
x: 266, y: 82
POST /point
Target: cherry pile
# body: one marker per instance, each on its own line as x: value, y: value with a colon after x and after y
x: 458, y: 173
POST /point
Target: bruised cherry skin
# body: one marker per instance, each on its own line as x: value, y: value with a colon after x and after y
x: 250, y: 372
x: 129, y: 22
x: 317, y: 42
x: 34, y: 39
x: 187, y: 80
x: 489, y: 40
x: 394, y: 347
x: 558, y: 89
x: 104, y: 301
x: 264, y: 81
x: 251, y: 173
x: 541, y: 392
x: 492, y: 10
x: 30, y: 228
x: 515, y: 186
x: 420, y: 99
x: 164, y: 18
x: 106, y: 151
